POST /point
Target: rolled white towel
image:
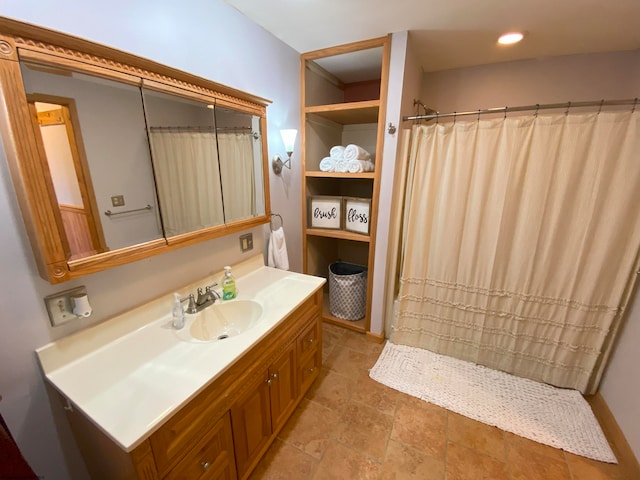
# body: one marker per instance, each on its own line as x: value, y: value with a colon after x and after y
x: 355, y: 166
x: 336, y: 152
x: 368, y: 165
x: 355, y: 152
x: 327, y: 164
x: 341, y: 165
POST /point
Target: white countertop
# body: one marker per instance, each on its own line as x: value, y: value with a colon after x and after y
x: 130, y: 374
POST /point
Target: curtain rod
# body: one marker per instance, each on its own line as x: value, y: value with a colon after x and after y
x: 202, y: 129
x: 547, y: 106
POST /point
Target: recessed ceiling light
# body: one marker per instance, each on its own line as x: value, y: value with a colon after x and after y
x: 510, y: 38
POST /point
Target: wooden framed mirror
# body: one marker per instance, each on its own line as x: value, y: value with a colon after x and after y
x: 86, y: 132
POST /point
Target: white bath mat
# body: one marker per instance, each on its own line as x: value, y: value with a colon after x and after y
x: 557, y: 417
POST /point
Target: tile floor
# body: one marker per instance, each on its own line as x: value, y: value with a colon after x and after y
x: 351, y: 427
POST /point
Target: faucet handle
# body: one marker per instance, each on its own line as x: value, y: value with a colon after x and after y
x: 202, y: 296
x: 212, y: 292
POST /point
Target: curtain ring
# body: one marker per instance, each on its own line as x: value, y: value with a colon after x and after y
x: 600, y: 108
x: 568, y: 107
x: 505, y: 112
x: 437, y: 118
x: 478, y: 114
x: 635, y: 102
x: 454, y: 117
x: 537, y: 108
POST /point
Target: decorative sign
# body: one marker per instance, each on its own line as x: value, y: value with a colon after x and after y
x: 356, y: 214
x: 324, y: 212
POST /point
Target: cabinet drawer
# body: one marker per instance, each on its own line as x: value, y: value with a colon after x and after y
x: 182, y: 432
x: 212, y: 458
x: 309, y: 339
x: 309, y: 369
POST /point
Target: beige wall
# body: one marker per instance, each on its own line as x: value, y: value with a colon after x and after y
x: 561, y: 79
x: 546, y: 80
x: 404, y: 85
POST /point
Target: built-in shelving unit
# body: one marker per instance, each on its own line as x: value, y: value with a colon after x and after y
x: 344, y: 92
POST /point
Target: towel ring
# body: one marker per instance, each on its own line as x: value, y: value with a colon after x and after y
x: 271, y: 223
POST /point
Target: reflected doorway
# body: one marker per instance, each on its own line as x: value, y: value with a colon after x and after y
x: 62, y: 155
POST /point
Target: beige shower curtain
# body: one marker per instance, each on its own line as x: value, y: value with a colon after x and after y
x: 520, y: 242
x: 188, y: 180
x: 238, y: 179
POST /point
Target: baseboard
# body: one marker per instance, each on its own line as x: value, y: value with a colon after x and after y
x: 374, y: 337
x: 614, y: 434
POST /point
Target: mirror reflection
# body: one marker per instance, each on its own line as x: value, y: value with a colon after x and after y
x: 182, y: 136
x: 240, y: 155
x: 94, y: 147
x: 207, y: 162
x: 128, y: 165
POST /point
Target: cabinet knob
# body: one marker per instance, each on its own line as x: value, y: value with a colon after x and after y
x: 311, y: 370
x: 311, y: 340
x: 274, y: 376
x: 205, y: 466
x: 269, y: 382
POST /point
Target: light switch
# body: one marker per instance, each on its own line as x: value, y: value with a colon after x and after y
x: 117, y: 201
x: 246, y: 242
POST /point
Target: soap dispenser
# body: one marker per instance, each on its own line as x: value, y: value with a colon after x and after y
x: 228, y: 285
x: 177, y: 314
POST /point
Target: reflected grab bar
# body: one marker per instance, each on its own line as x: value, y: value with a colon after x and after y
x: 109, y: 213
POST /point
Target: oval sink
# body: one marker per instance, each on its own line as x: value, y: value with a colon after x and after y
x: 225, y: 319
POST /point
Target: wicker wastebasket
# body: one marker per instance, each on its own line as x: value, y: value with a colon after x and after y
x: 347, y: 290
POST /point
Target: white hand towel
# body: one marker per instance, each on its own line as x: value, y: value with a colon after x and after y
x: 354, y: 152
x: 355, y: 166
x: 368, y: 165
x: 277, y: 251
x: 341, y: 165
x: 327, y: 164
x: 336, y: 152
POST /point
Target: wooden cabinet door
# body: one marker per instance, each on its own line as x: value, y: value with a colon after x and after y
x: 283, y: 390
x: 251, y: 424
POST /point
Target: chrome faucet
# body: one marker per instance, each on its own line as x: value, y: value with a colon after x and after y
x: 203, y: 300
x: 206, y: 297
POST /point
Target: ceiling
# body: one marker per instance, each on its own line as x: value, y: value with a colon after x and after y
x: 454, y: 33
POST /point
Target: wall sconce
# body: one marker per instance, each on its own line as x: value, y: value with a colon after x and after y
x: 288, y: 138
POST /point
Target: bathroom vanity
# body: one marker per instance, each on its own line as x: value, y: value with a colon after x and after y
x: 147, y: 401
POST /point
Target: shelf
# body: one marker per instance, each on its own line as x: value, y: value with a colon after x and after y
x: 348, y: 113
x: 357, y: 326
x: 339, y: 234
x: 316, y: 174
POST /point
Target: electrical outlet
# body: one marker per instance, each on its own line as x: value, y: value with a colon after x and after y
x: 60, y: 307
x: 246, y: 242
x: 117, y: 201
